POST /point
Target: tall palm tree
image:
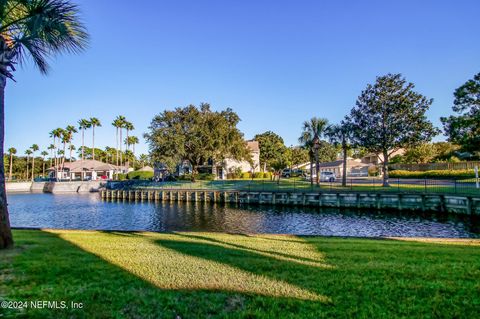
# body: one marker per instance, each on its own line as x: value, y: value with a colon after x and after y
x: 70, y: 129
x: 28, y: 152
x: 312, y: 132
x: 83, y: 124
x: 51, y: 148
x: 128, y: 127
x: 43, y: 153
x: 94, y: 122
x: 57, y: 135
x: 34, y: 148
x: 341, y: 135
x: 118, y: 123
x: 12, y: 151
x: 65, y: 139
x: 39, y: 30
x: 133, y: 140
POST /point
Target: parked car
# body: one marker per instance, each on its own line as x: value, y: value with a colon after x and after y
x: 327, y: 177
x: 287, y: 173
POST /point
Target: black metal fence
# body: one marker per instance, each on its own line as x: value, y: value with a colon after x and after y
x: 448, y: 186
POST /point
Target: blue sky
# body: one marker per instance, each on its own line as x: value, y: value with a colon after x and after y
x: 276, y: 63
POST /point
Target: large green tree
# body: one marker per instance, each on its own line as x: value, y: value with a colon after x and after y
x: 271, y: 147
x: 35, y: 29
x: 464, y: 128
x: 196, y: 134
x: 390, y: 115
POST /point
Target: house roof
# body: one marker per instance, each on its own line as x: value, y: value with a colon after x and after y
x: 86, y: 165
x: 253, y: 146
x: 145, y: 169
x: 338, y: 163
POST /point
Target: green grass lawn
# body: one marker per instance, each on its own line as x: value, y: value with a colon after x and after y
x: 213, y: 275
x: 301, y: 185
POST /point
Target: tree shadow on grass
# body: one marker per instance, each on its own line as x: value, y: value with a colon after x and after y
x: 276, y: 266
x: 48, y: 267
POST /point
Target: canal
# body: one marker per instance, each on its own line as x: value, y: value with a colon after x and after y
x: 89, y: 211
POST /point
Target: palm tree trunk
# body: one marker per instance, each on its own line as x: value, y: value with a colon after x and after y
x: 83, y: 143
x: 311, y: 171
x: 33, y: 167
x: 10, y: 168
x: 133, y: 156
x: 93, y: 142
x: 6, y: 238
x: 317, y: 167
x: 43, y: 170
x: 344, y: 174
x: 28, y: 173
x: 116, y: 146
x: 120, y: 142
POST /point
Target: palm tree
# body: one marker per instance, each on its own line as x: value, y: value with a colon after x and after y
x: 133, y: 140
x: 70, y: 130
x: 12, y: 151
x: 128, y: 127
x: 340, y: 135
x: 94, y: 122
x: 56, y: 134
x: 39, y: 30
x: 118, y: 124
x: 28, y: 152
x: 71, y: 148
x: 65, y: 139
x: 143, y: 159
x: 34, y: 148
x: 43, y: 153
x: 83, y: 124
x: 313, y: 130
x: 51, y: 148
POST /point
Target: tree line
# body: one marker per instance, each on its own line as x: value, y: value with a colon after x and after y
x: 62, y: 150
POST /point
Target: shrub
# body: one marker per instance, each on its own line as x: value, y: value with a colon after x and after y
x: 185, y: 177
x: 373, y: 171
x: 205, y: 177
x: 465, y: 173
x: 140, y: 175
x: 267, y: 175
x: 258, y: 175
x: 121, y: 177
x: 246, y: 175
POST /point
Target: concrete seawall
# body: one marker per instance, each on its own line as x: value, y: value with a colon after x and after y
x: 18, y: 187
x: 413, y: 202
x: 54, y: 187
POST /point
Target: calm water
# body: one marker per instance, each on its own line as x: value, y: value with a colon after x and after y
x: 90, y: 212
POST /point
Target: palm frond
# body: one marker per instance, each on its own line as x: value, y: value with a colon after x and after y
x: 40, y: 29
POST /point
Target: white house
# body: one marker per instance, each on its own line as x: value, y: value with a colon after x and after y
x: 85, y: 170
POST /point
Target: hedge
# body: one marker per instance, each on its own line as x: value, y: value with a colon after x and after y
x: 465, y: 173
x: 140, y: 175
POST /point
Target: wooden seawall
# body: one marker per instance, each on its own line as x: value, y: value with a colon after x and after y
x: 414, y: 202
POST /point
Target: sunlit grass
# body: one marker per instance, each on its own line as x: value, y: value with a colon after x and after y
x: 200, y: 275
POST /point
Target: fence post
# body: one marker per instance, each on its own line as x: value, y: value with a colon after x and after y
x: 398, y: 184
x: 425, y: 185
x: 455, y: 181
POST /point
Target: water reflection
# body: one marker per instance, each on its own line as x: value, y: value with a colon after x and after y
x: 90, y: 212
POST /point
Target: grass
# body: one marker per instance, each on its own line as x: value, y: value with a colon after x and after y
x: 214, y: 275
x: 301, y: 185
